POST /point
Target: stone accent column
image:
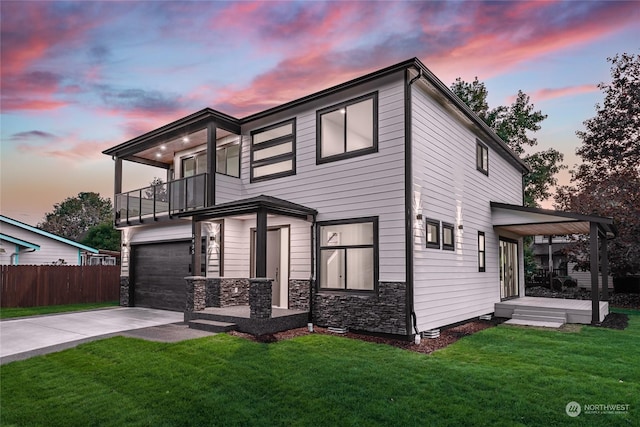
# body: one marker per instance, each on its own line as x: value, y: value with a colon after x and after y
x: 213, y: 292
x: 260, y: 298
x: 299, y: 291
x: 196, y: 293
x: 125, y: 296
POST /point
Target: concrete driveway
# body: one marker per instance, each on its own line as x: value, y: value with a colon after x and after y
x: 30, y: 336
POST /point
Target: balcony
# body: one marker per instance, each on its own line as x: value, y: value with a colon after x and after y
x: 164, y: 200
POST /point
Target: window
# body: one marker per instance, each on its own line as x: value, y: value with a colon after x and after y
x: 194, y: 165
x: 348, y: 129
x: 348, y: 258
x: 448, y: 243
x: 481, y: 252
x: 433, y: 234
x: 228, y: 158
x: 273, y: 151
x: 482, y: 158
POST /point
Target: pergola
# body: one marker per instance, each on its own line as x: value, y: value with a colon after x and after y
x: 525, y: 221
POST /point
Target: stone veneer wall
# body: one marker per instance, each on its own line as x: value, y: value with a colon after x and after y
x: 223, y: 292
x: 196, y: 293
x: 125, y: 292
x: 299, y: 291
x: 383, y: 312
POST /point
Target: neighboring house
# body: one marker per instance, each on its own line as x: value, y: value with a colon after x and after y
x: 559, y: 260
x: 382, y: 204
x: 23, y: 244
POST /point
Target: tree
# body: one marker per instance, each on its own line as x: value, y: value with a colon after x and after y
x: 103, y: 236
x: 607, y: 182
x: 158, y: 187
x: 515, y: 124
x: 75, y: 215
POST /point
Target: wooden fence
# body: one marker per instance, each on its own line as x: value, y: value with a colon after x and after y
x: 42, y: 285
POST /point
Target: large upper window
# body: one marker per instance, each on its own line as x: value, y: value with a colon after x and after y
x: 273, y: 151
x: 348, y: 129
x: 348, y: 254
x: 482, y: 158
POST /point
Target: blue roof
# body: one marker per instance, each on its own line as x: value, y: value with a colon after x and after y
x: 19, y: 242
x: 46, y: 234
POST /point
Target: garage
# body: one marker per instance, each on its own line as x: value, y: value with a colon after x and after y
x: 159, y: 270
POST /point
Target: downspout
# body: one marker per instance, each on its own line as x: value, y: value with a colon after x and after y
x: 411, y: 319
x: 16, y: 254
x: 312, y: 285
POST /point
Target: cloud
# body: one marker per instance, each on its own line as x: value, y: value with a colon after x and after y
x: 32, y: 134
x: 551, y: 93
x: 140, y: 101
x: 70, y: 147
x: 329, y: 43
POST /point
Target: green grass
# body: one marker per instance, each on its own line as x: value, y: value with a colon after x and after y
x: 6, y: 313
x: 503, y: 376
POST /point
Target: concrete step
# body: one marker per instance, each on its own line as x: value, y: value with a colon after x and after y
x: 537, y: 314
x: 534, y: 317
x: 538, y: 323
x: 211, y: 325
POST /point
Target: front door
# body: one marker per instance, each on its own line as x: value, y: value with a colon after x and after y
x: 273, y: 264
x: 508, y: 269
x: 277, y: 263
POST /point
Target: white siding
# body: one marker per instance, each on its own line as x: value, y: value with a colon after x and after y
x: 364, y: 186
x: 50, y: 250
x: 236, y: 247
x: 228, y: 188
x: 237, y: 242
x: 447, y: 187
x: 177, y: 229
x: 369, y: 185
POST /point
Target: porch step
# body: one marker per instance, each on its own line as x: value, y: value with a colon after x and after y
x: 538, y: 323
x: 211, y: 325
x: 539, y: 315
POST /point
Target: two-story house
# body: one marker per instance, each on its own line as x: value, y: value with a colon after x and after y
x: 372, y: 205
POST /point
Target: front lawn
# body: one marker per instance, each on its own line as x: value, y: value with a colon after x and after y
x: 6, y: 313
x: 500, y: 376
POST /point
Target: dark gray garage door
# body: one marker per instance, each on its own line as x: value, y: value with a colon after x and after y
x: 159, y: 270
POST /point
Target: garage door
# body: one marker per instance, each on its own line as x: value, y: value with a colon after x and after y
x: 159, y: 270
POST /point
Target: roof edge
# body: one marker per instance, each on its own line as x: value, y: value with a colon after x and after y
x: 433, y: 79
x: 46, y: 234
x: 571, y: 215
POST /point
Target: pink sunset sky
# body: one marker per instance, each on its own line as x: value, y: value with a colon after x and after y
x: 79, y: 77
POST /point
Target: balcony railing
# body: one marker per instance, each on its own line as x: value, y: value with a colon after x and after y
x: 165, y: 199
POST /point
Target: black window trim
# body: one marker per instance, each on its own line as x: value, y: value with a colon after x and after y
x: 452, y: 246
x: 432, y: 245
x: 482, y: 254
x: 274, y: 159
x: 376, y: 258
x: 346, y: 154
x: 482, y: 147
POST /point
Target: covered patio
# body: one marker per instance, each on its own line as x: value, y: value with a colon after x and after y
x: 524, y: 221
x: 252, y: 308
